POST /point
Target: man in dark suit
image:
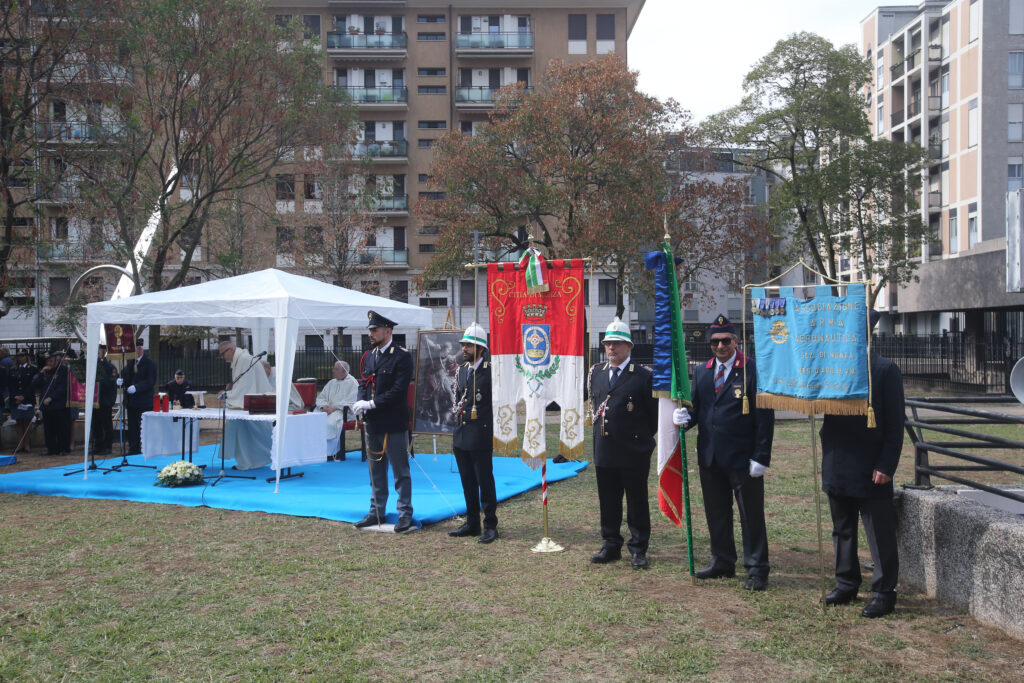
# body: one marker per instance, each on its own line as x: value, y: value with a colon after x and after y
x: 857, y: 466
x: 23, y: 399
x: 734, y: 451
x: 102, y: 417
x: 473, y: 441
x: 625, y: 417
x: 52, y: 386
x: 140, y: 378
x: 384, y: 406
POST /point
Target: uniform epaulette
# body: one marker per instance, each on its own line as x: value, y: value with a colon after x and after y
x: 646, y: 368
x: 484, y: 365
x: 466, y: 364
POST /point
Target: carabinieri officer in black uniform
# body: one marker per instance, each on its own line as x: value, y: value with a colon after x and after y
x: 473, y: 441
x: 384, y: 406
x: 625, y: 417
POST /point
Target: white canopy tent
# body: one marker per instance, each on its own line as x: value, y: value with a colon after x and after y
x: 268, y: 299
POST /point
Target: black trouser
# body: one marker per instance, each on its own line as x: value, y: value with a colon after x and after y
x: 134, y: 432
x: 879, y: 517
x: 57, y: 430
x: 612, y: 482
x: 476, y: 469
x: 102, y: 428
x: 719, y: 487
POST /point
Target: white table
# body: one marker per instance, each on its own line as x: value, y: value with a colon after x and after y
x: 305, y: 434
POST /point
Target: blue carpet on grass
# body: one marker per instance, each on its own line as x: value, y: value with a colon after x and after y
x: 7, y: 460
x: 331, y: 490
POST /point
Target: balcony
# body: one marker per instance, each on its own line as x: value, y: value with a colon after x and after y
x: 897, y: 69
x: 382, y: 150
x: 74, y: 251
x: 375, y: 46
x: 897, y: 116
x: 913, y: 60
x: 78, y: 131
x: 62, y: 193
x: 934, y: 151
x: 380, y: 257
x: 935, y: 53
x: 914, y: 108
x: 934, y: 200
x: 494, y: 44
x: 398, y: 203
x: 473, y: 97
x: 934, y: 103
x: 381, y: 97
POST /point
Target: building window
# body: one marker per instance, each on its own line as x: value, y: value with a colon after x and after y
x: 972, y: 124
x: 605, y: 33
x: 285, y: 188
x: 577, y: 34
x: 311, y: 26
x: 314, y: 342
x: 60, y: 228
x: 432, y: 89
x: 433, y: 301
x: 429, y: 230
x: 433, y: 196
x: 311, y: 187
x: 606, y: 292
x: 1013, y: 174
x: 430, y: 19
x: 438, y: 125
x: 282, y: 20
x: 428, y: 71
x: 427, y: 249
x: 954, y: 232
x: 972, y: 225
x: 880, y: 74
x: 429, y: 36
x: 60, y: 290
x: 398, y: 290
x: 285, y: 239
x: 425, y: 142
x: 880, y: 119
x: 1016, y: 17
x: 974, y: 20
x: 466, y: 127
x: 1015, y: 70
x: 1015, y: 122
x: 467, y: 293
x: 424, y: 177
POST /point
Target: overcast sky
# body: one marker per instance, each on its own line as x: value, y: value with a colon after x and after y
x: 698, y: 51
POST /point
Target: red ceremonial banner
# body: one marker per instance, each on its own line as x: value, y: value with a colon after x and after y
x: 561, y: 307
x: 120, y: 339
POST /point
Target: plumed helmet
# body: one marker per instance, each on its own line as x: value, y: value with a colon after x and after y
x: 617, y: 331
x: 475, y: 334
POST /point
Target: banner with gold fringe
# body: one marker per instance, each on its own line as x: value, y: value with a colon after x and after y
x: 537, y: 353
x: 812, y: 354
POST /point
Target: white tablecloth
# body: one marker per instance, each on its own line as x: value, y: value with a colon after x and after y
x: 305, y: 435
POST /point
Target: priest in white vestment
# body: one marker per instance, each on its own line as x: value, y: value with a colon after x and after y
x: 338, y: 394
x: 247, y: 442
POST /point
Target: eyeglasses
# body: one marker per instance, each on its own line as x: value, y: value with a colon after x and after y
x: 721, y: 342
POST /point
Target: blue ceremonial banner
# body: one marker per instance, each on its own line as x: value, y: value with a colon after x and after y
x: 812, y: 354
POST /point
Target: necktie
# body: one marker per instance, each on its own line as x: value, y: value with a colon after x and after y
x: 615, y: 376
x: 720, y: 378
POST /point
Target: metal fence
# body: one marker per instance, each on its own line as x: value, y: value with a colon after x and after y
x: 933, y: 421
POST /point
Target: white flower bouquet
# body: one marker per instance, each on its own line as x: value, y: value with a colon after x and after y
x: 179, y: 473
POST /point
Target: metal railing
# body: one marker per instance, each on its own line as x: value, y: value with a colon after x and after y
x: 478, y: 93
x: 338, y: 40
x: 381, y: 94
x: 399, y: 202
x: 494, y: 41
x: 381, y: 149
x: 931, y: 418
x: 374, y: 255
x: 953, y: 362
x: 78, y: 130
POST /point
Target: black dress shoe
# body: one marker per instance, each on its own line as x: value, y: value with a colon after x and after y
x: 756, y: 583
x: 464, y: 530
x: 879, y: 607
x: 559, y: 459
x: 370, y: 519
x: 488, y: 536
x: 404, y: 524
x: 640, y: 561
x: 840, y: 596
x: 605, y: 555
x: 714, y: 572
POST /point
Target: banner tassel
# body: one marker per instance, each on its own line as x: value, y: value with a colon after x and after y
x: 871, y: 418
x: 746, y: 405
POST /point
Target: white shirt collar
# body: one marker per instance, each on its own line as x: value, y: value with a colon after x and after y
x: 728, y: 364
x: 622, y: 366
x: 479, y: 360
x: 382, y: 349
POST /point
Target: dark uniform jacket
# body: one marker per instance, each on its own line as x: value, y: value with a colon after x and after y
x: 52, y: 385
x: 20, y: 383
x: 144, y: 379
x: 106, y: 381
x: 179, y: 392
x: 385, y: 381
x: 474, y: 434
x: 626, y: 416
x: 850, y: 452
x: 728, y: 438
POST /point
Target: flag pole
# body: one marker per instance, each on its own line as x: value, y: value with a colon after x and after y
x: 546, y: 545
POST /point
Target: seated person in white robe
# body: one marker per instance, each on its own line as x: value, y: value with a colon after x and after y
x: 247, y: 442
x: 338, y: 394
x: 294, y: 399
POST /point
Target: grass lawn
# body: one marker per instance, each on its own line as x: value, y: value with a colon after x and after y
x: 108, y: 590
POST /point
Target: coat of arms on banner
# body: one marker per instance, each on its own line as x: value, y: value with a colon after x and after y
x: 537, y: 350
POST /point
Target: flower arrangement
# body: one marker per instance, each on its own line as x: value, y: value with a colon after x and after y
x: 179, y: 473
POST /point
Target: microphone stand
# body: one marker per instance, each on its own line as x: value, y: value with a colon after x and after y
x: 223, y: 424
x: 124, y: 416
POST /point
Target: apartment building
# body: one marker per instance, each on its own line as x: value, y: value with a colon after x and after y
x: 418, y: 69
x: 949, y: 76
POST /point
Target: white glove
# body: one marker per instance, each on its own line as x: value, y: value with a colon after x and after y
x: 757, y: 469
x: 120, y: 382
x: 24, y: 406
x: 131, y: 389
x: 680, y: 417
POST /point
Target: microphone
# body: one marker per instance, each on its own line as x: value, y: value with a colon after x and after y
x: 261, y: 354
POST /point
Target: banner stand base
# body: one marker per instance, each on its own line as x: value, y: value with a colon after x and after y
x: 546, y: 545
